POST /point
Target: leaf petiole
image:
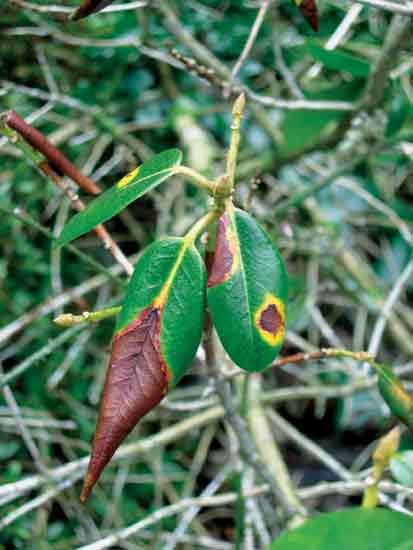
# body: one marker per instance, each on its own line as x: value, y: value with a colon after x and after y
x: 70, y: 320
x: 198, y: 227
x: 197, y: 179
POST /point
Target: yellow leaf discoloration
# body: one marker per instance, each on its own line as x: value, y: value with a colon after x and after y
x: 233, y: 244
x: 270, y: 320
x: 124, y: 181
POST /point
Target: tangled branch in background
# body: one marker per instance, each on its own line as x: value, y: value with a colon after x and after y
x: 329, y: 139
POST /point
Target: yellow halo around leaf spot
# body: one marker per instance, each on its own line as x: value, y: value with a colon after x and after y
x: 124, y: 181
x: 270, y: 320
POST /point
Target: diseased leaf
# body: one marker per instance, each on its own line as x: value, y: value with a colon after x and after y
x: 352, y: 529
x: 247, y: 291
x: 309, y: 11
x: 392, y: 391
x: 88, y: 7
x: 158, y: 332
x: 119, y: 196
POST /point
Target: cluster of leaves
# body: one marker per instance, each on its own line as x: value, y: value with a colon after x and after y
x: 160, y: 325
x: 351, y: 271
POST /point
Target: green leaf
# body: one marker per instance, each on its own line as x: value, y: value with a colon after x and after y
x: 352, y: 529
x: 392, y: 391
x: 401, y: 466
x: 339, y: 60
x: 158, y: 332
x: 300, y: 130
x: 119, y: 196
x: 247, y: 291
x: 170, y: 276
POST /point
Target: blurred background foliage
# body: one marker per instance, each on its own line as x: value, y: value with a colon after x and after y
x: 109, y: 93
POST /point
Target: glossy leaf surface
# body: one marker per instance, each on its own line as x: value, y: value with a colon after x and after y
x: 119, y: 196
x: 158, y: 332
x: 352, y: 529
x: 247, y: 291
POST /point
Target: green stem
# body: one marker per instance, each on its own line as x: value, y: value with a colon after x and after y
x: 224, y: 184
x: 237, y: 112
x: 70, y: 320
x: 387, y: 447
x: 197, y: 179
x: 198, y: 227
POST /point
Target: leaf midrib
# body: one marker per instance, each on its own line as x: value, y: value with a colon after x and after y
x: 243, y: 276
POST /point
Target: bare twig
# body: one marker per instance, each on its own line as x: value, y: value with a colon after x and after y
x: 269, y: 451
x: 173, y: 433
x: 36, y: 140
x: 247, y: 446
x: 52, y: 154
x: 61, y: 9
x: 255, y: 29
x: 394, y: 7
x: 398, y: 37
x: 392, y: 298
x: 281, y: 425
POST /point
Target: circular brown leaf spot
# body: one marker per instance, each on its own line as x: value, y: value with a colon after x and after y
x: 271, y: 320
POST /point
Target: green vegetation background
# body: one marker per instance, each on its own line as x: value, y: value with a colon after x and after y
x: 119, y: 104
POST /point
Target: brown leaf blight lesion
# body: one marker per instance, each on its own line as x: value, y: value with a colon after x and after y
x: 309, y: 11
x: 224, y: 261
x: 136, y: 381
x: 88, y: 7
